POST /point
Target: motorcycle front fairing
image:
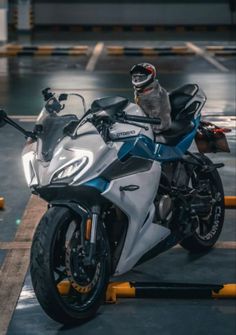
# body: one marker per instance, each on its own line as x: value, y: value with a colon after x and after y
x: 87, y: 150
x: 74, y: 162
x: 80, y: 170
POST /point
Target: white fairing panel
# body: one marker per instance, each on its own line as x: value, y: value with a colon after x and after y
x: 89, y: 144
x: 142, y: 234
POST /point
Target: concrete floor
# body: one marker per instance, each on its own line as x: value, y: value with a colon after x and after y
x: 21, y: 80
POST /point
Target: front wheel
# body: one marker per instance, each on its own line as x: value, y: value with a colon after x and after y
x: 67, y: 288
x: 209, y: 228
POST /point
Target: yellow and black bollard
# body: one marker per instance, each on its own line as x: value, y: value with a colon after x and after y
x: 169, y: 291
x: 150, y: 290
x: 230, y: 202
x: 2, y: 203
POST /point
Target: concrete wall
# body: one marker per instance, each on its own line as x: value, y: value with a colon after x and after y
x: 151, y: 12
x: 182, y: 13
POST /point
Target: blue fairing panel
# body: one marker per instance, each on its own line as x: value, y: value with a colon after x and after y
x: 143, y: 146
x: 99, y: 183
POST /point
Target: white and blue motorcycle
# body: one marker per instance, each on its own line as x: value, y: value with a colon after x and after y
x: 117, y: 196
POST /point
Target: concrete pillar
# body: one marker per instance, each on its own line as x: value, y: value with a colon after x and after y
x: 3, y: 20
x: 24, y: 15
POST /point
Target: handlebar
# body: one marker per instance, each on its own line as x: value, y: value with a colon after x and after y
x: 3, y: 114
x: 122, y: 117
x: 142, y: 119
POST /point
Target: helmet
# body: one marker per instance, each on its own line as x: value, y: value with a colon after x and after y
x: 143, y: 74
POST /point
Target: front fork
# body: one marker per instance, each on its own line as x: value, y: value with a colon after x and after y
x: 92, y: 234
x: 88, y: 227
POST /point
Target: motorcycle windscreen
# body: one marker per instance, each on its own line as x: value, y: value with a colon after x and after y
x: 60, y: 112
x: 63, y: 105
x: 51, y: 132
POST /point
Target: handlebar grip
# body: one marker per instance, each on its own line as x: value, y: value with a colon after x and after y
x: 3, y: 114
x: 142, y: 119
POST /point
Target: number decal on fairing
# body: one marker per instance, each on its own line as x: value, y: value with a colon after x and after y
x: 126, y: 133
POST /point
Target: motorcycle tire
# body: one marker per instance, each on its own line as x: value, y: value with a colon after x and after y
x: 48, y: 257
x: 200, y: 242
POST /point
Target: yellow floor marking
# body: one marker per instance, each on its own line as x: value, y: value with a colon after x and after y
x: 14, y: 245
x: 15, y: 265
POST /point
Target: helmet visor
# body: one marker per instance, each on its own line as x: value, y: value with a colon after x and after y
x: 138, y: 78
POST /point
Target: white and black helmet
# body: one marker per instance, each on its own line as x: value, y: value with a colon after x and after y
x: 143, y: 74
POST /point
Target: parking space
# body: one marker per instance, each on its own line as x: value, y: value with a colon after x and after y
x: 21, y: 81
x: 142, y: 316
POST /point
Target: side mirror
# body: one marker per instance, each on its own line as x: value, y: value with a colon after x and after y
x: 3, y: 114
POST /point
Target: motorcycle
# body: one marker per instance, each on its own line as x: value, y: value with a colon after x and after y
x: 117, y: 196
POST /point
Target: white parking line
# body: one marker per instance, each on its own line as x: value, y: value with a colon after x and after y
x: 210, y: 59
x: 94, y: 57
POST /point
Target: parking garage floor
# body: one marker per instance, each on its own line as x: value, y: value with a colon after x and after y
x: 21, y: 81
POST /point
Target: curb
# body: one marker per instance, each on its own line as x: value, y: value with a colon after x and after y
x: 220, y: 48
x: 42, y: 50
x: 148, y: 51
x: 225, y: 53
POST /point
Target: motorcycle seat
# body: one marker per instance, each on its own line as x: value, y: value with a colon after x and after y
x: 179, y: 99
x: 113, y: 104
x: 175, y: 133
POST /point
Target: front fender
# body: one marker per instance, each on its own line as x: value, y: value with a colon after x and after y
x: 74, y: 207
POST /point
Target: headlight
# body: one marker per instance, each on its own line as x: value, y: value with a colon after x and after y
x: 71, y: 169
x: 30, y: 174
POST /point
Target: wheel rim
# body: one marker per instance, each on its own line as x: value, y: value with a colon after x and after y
x: 66, y: 262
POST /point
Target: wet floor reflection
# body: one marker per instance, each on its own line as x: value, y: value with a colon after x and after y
x: 21, y: 93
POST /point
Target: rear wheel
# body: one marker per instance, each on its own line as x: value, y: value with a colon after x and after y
x: 209, y: 227
x: 66, y: 287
